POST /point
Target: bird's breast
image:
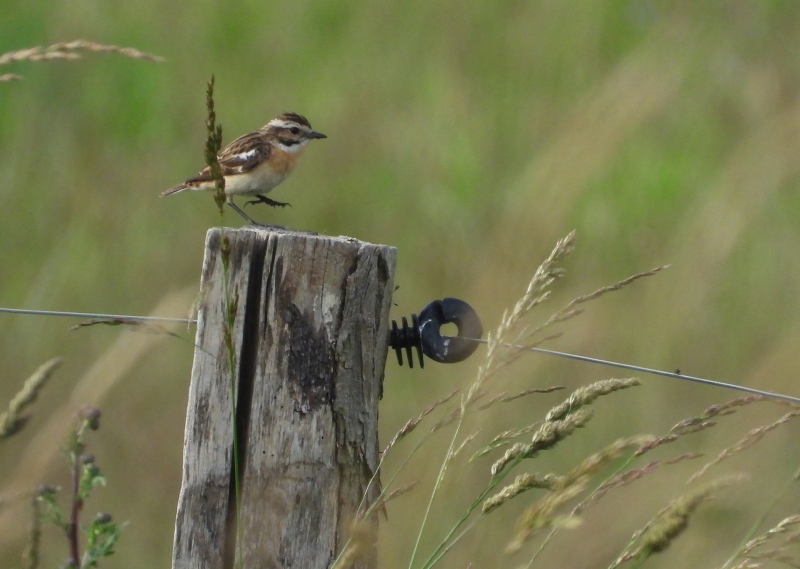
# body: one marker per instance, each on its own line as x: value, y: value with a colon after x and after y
x: 263, y: 177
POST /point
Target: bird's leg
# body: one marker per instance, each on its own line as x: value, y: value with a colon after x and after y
x: 266, y: 200
x: 241, y: 212
x: 252, y: 221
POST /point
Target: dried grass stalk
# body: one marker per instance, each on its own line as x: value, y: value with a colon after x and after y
x: 570, y: 311
x: 701, y: 422
x: 712, y: 411
x: 564, y: 488
x: 12, y: 421
x: 380, y: 505
x: 71, y: 50
x: 783, y: 527
x: 457, y: 450
x: 535, y: 293
x: 549, y: 435
x: 748, y: 564
x: 671, y: 521
x: 505, y: 438
x: 505, y: 397
x: 412, y: 424
x: 545, y: 513
x: 618, y: 481
x: 588, y: 467
x: 522, y: 483
x: 586, y: 395
x: 751, y: 438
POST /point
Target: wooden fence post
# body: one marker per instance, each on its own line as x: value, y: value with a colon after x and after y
x: 309, y: 348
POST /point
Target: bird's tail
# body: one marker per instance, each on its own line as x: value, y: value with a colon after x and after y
x: 174, y: 190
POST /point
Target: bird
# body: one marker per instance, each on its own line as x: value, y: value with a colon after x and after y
x: 256, y: 162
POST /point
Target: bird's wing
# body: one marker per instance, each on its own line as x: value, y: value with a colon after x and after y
x: 240, y: 156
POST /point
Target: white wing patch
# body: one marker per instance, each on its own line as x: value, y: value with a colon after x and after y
x: 244, y: 156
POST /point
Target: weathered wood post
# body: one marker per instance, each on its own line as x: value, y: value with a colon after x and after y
x: 309, y: 346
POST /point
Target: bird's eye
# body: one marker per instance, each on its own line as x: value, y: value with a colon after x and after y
x: 294, y: 130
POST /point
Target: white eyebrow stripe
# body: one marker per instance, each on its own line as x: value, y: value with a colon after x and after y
x: 278, y: 123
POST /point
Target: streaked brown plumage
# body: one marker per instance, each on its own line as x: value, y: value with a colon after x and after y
x: 255, y: 163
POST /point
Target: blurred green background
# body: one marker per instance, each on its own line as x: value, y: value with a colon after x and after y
x: 471, y: 136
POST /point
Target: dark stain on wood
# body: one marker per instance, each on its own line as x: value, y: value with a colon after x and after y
x: 310, y: 369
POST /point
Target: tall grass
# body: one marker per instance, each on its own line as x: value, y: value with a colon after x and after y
x: 468, y: 135
x: 557, y: 499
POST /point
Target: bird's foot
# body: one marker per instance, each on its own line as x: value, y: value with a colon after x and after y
x: 266, y: 200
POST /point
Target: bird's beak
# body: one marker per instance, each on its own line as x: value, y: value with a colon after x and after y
x: 315, y: 134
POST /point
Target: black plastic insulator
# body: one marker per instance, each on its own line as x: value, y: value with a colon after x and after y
x: 424, y: 333
x: 406, y: 337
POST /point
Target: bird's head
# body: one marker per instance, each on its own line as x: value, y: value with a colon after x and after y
x: 291, y: 131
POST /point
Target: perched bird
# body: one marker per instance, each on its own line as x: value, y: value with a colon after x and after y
x: 256, y: 162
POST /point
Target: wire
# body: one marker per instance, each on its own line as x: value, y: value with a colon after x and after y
x: 620, y: 365
x: 643, y: 369
x: 95, y: 315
